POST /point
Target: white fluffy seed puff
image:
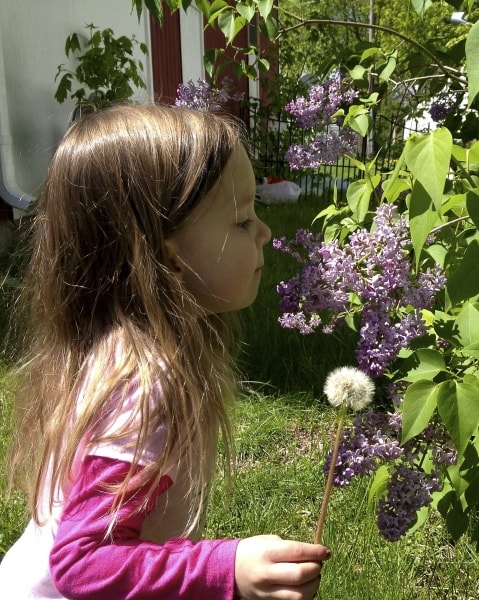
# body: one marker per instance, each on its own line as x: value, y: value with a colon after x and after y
x: 349, y: 386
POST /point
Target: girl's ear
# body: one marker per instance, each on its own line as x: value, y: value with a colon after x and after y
x: 173, y: 261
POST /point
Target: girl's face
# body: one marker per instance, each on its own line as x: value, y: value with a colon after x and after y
x: 218, y: 252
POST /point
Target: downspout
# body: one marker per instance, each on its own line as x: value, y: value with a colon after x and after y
x: 9, y: 191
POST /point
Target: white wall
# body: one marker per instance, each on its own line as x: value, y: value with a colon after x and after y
x: 192, y: 45
x: 32, y: 40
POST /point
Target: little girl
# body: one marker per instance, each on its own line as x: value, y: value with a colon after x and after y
x: 145, y: 240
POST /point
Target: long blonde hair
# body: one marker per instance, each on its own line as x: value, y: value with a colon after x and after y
x: 121, y: 181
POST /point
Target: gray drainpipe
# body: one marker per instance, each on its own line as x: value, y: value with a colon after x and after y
x: 9, y: 190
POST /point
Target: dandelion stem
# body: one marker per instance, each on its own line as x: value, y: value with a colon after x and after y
x: 329, y: 481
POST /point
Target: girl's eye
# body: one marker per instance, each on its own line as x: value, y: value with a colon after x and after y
x: 245, y: 224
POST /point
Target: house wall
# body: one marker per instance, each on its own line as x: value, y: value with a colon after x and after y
x: 32, y: 40
x: 166, y: 56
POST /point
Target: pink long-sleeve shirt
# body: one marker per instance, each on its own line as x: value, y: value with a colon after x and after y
x: 70, y: 557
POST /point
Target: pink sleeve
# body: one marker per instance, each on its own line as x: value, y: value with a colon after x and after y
x: 85, y: 565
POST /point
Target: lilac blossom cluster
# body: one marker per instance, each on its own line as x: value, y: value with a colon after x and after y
x: 323, y: 149
x: 374, y: 439
x: 325, y: 99
x: 205, y: 96
x: 318, y: 112
x: 441, y: 108
x: 371, y: 276
x: 409, y: 490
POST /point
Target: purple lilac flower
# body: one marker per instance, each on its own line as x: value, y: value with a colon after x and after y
x: 204, y: 96
x: 323, y: 102
x: 324, y: 149
x: 409, y: 490
x: 373, y: 437
x: 440, y: 109
x: 443, y: 452
x: 318, y: 112
x: 370, y: 275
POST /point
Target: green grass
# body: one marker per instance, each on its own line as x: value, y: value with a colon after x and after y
x: 283, y: 433
x: 13, y: 512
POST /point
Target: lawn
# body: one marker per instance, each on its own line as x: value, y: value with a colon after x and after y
x: 283, y: 432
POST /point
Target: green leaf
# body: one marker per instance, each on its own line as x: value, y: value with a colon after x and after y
x: 216, y: 8
x: 459, y: 153
x: 438, y: 253
x: 156, y: 9
x: 357, y: 163
x: 138, y: 5
x: 473, y: 153
x: 472, y: 204
x: 393, y: 188
x: 265, y: 7
x: 245, y: 10
x: 379, y: 485
x: 458, y: 201
x: 428, y: 157
x: 431, y: 362
x: 357, y: 72
x: 464, y: 281
x: 72, y: 44
x: 204, y: 7
x: 472, y: 64
x: 269, y: 27
x: 238, y: 69
x: 63, y: 88
x: 472, y: 349
x: 420, y: 6
x: 422, y: 218
x: 360, y: 123
x: 209, y: 61
x: 358, y: 196
x: 458, y: 406
x: 467, y: 324
x: 230, y: 25
x: 457, y: 522
x: 388, y: 70
x: 369, y: 52
x: 263, y: 65
x: 419, y: 404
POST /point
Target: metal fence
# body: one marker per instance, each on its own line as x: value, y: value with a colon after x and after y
x: 271, y: 136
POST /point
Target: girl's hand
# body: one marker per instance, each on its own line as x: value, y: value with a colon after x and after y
x: 270, y: 567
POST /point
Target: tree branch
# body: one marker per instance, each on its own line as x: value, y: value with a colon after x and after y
x: 302, y: 22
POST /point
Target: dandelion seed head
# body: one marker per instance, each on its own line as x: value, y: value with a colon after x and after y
x: 349, y: 386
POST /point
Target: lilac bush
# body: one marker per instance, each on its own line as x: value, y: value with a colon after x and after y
x: 369, y: 277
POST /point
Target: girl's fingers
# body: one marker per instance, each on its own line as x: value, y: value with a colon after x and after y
x: 295, y: 574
